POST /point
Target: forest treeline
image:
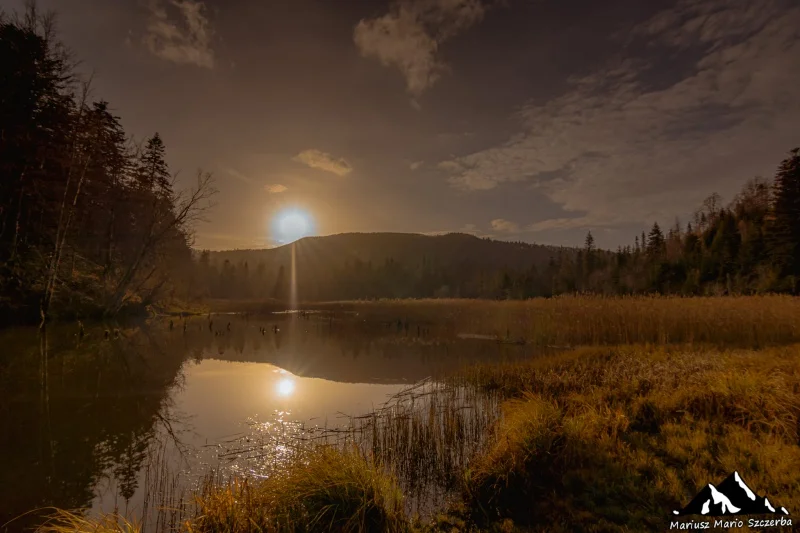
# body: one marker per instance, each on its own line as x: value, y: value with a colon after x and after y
x: 749, y: 246
x: 90, y: 222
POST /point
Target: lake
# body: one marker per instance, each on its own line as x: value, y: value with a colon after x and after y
x: 108, y: 420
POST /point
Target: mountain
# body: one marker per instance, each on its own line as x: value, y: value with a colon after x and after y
x: 381, y: 265
x: 406, y: 248
x: 731, y: 497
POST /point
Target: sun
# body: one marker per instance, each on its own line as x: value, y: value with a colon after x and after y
x: 285, y: 387
x: 293, y: 224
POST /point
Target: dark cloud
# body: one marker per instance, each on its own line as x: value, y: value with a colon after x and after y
x: 183, y: 36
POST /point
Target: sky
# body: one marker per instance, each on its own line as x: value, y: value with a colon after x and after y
x: 529, y: 120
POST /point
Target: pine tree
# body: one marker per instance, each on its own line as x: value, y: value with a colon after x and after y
x: 36, y: 119
x: 589, y: 257
x: 589, y: 242
x: 655, y: 241
x: 105, y: 189
x: 153, y: 172
x: 784, y: 235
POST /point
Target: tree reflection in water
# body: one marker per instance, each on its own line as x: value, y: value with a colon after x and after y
x: 92, y: 422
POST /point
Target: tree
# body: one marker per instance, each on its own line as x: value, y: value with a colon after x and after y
x: 152, y: 171
x: 36, y: 120
x: 655, y: 241
x: 82, y: 218
x: 163, y: 227
x: 589, y: 253
x: 785, y: 227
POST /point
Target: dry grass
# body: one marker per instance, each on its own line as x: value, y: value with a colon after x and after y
x: 425, y: 437
x: 614, y: 439
x: 748, y: 321
x: 62, y: 521
x: 322, y: 490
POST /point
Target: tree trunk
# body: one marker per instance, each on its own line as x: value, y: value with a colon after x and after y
x: 65, y: 210
x: 14, y: 241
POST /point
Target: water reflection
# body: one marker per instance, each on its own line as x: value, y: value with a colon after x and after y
x: 285, y: 387
x: 74, y: 414
x: 82, y: 417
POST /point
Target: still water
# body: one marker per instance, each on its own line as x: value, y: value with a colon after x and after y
x: 82, y: 418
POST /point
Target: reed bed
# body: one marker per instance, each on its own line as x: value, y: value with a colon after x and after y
x: 166, y: 503
x: 424, y: 437
x: 749, y: 321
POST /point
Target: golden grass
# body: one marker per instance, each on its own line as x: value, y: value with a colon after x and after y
x: 322, y: 490
x: 749, y: 321
x: 63, y: 521
x: 614, y: 439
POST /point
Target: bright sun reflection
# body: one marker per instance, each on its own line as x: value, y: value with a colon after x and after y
x: 293, y: 224
x: 286, y: 387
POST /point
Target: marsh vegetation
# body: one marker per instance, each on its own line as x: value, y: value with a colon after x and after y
x: 636, y: 404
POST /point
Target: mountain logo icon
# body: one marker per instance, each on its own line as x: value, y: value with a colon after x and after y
x: 729, y: 498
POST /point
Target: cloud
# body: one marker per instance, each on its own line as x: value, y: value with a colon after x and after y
x: 185, y: 41
x: 453, y: 166
x: 239, y: 176
x: 408, y: 37
x: 324, y: 161
x: 415, y: 165
x: 505, y: 226
x: 564, y: 223
x: 275, y: 188
x: 471, y: 229
x: 618, y: 148
x: 271, y: 188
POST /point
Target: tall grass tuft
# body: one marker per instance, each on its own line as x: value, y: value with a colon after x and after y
x: 63, y: 521
x: 323, y: 489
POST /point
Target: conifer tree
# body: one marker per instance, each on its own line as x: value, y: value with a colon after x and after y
x: 784, y: 233
x: 655, y: 241
x: 589, y: 254
x: 153, y: 172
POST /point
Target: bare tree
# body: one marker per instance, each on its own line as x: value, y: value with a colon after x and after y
x: 191, y: 207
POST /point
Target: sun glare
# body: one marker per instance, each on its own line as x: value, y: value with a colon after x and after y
x: 292, y: 225
x: 285, y: 387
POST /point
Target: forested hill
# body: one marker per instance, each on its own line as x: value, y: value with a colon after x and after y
x: 405, y: 248
x: 355, y: 265
x: 751, y: 245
